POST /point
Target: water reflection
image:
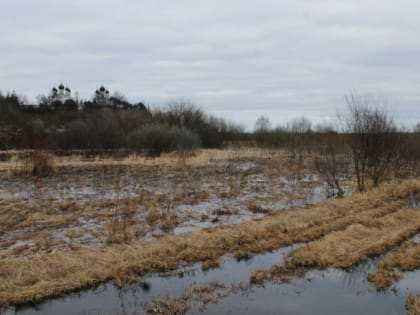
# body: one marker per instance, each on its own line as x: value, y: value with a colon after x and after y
x: 327, y: 291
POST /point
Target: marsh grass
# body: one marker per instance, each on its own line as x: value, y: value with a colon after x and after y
x: 379, y: 215
x: 164, y: 216
x: 404, y: 258
x: 39, y: 163
x: 123, y: 214
x: 167, y: 306
x: 360, y: 240
x: 413, y: 305
x: 194, y: 298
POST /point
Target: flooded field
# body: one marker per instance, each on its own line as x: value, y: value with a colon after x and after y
x: 95, y: 204
x: 243, y: 233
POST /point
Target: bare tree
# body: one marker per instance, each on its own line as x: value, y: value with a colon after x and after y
x: 262, y: 125
x: 262, y: 132
x: 299, y: 131
x: 330, y: 163
x: 372, y: 138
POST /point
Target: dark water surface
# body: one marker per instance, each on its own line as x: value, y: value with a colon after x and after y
x: 320, y: 292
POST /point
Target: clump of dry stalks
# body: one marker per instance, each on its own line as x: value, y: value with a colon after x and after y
x: 163, y: 217
x: 121, y: 226
x: 39, y: 163
x: 198, y: 295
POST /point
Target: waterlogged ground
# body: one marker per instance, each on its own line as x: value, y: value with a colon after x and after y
x: 226, y: 290
x: 94, y: 204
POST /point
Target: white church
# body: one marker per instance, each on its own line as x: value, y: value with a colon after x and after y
x: 60, y: 94
x: 102, y: 96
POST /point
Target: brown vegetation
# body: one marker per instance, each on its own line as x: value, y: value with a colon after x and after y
x: 103, y: 201
x: 376, y: 214
x: 280, y: 274
x: 413, y: 305
x: 198, y: 296
x: 360, y: 240
x: 373, y: 140
x: 167, y: 306
x: 404, y: 258
x: 39, y: 163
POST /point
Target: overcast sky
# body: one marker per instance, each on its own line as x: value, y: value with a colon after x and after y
x: 235, y: 58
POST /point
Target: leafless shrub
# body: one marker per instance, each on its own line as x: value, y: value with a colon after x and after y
x: 117, y: 232
x: 331, y: 165
x: 299, y: 135
x: 372, y: 138
x: 407, y: 164
x: 186, y: 143
x: 123, y: 215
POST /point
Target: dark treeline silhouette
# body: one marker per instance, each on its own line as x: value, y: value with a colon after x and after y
x: 95, y: 126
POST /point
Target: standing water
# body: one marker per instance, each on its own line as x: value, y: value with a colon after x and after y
x: 329, y: 291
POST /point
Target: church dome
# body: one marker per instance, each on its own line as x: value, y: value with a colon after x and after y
x: 61, y: 87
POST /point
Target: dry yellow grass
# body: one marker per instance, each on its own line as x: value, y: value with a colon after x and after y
x: 377, y: 214
x: 197, y: 295
x: 343, y: 249
x: 200, y: 157
x: 85, y: 197
x: 348, y: 247
x: 404, y: 258
x: 413, y: 305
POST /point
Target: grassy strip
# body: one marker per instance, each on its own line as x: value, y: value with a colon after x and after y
x: 413, y: 305
x: 404, y: 258
x: 343, y: 249
x: 348, y: 247
x: 42, y: 276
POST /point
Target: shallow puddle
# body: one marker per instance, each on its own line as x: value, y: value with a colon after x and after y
x: 327, y: 292
x: 320, y: 292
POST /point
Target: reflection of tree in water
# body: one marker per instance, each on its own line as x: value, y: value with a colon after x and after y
x: 132, y: 298
x: 355, y: 278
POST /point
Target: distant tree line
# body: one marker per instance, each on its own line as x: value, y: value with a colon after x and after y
x: 94, y: 127
x: 367, y: 144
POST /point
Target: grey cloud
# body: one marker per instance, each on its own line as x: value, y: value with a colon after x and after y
x: 236, y: 58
